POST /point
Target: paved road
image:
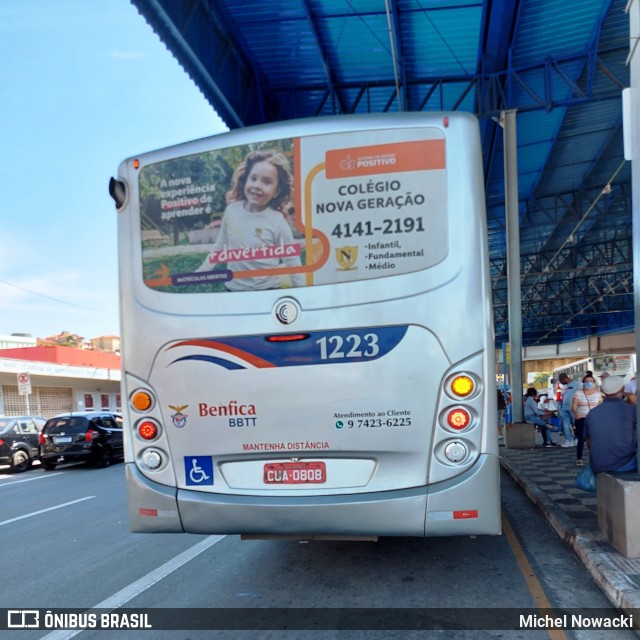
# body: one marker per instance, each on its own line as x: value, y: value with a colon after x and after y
x: 65, y: 543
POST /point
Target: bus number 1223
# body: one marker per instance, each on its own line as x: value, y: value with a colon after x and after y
x: 352, y: 346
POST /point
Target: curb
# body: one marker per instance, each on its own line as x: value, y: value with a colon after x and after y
x: 615, y: 584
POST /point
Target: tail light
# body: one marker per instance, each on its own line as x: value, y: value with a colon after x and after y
x: 1, y: 442
x: 152, y: 459
x: 41, y: 439
x: 142, y: 401
x: 91, y: 434
x: 147, y: 430
x: 459, y: 418
x: 463, y: 386
x: 456, y: 451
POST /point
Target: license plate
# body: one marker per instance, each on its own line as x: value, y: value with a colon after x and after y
x: 62, y: 440
x: 295, y: 473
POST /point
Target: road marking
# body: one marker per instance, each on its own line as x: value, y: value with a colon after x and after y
x: 136, y: 588
x: 49, y: 475
x: 37, y: 513
x: 529, y: 575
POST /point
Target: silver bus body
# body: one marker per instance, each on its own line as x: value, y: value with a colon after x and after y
x: 323, y: 409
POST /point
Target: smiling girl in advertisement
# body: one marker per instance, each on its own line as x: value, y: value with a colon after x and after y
x: 255, y: 235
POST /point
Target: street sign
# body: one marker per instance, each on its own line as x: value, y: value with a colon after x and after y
x: 24, y: 384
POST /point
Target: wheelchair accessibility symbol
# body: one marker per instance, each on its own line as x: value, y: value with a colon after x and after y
x: 198, y: 470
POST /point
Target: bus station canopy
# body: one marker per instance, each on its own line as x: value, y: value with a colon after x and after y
x: 561, y: 65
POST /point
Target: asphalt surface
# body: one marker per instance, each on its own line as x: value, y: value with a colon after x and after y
x: 70, y: 547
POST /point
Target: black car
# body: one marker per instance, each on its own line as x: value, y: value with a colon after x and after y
x: 19, y: 440
x: 94, y: 436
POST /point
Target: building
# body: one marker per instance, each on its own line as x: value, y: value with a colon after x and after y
x: 61, y: 379
x: 106, y: 343
x: 65, y: 339
x: 17, y: 340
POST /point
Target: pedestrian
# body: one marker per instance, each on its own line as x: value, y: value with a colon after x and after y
x: 502, y: 405
x: 584, y: 400
x: 567, y: 419
x: 630, y: 390
x: 610, y: 430
x: 533, y: 415
x: 547, y: 404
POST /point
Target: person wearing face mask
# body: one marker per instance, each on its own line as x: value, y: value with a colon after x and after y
x: 584, y: 400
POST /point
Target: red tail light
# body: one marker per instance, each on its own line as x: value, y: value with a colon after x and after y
x: 288, y: 337
x: 459, y: 418
x: 1, y: 442
x: 147, y: 430
x: 41, y: 438
x: 91, y: 435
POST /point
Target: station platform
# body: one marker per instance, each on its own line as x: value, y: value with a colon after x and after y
x: 547, y: 476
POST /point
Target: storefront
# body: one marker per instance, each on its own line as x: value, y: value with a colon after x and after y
x: 57, y: 387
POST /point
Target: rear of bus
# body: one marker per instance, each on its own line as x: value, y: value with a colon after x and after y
x: 353, y: 397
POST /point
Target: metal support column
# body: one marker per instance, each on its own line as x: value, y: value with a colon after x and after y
x: 508, y: 122
x: 632, y: 147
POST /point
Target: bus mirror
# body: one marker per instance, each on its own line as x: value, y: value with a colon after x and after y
x: 118, y: 191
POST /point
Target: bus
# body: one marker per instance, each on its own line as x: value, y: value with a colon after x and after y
x: 616, y: 364
x: 306, y: 331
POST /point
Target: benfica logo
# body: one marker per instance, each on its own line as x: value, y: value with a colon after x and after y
x: 179, y: 418
x: 347, y: 257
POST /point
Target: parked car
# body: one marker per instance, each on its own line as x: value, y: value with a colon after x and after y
x: 19, y: 440
x: 94, y: 436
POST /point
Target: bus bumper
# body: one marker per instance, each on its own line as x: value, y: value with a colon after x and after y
x: 470, y: 505
x: 153, y: 508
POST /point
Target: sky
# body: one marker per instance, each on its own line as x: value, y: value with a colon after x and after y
x: 84, y: 85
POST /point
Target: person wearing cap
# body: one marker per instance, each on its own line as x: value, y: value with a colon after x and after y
x: 533, y: 415
x: 569, y: 388
x: 610, y: 430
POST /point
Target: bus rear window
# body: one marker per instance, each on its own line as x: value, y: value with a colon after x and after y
x: 295, y: 212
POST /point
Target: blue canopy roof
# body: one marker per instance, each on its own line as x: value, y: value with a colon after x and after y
x: 561, y: 65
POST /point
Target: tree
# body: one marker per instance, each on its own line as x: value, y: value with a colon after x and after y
x: 541, y: 379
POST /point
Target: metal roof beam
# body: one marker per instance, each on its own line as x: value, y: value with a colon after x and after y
x: 491, y: 86
x: 199, y: 39
x: 398, y: 59
x: 614, y: 252
x: 628, y: 295
x: 560, y: 254
x: 356, y: 102
x: 587, y: 220
x: 598, y: 263
x: 496, y: 38
x: 563, y: 73
x: 322, y: 51
x: 553, y: 209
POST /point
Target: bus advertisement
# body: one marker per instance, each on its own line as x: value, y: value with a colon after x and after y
x: 306, y: 327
